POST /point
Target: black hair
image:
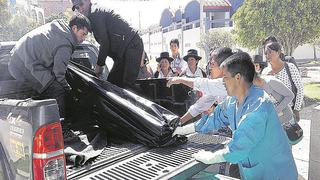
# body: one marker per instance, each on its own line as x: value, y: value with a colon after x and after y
x: 269, y: 39
x: 222, y: 54
x: 175, y: 41
x: 240, y: 63
x: 81, y: 21
x: 275, y: 46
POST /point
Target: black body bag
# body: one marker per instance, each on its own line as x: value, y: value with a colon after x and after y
x: 120, y: 112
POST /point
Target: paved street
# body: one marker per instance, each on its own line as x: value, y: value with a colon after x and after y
x: 307, y: 151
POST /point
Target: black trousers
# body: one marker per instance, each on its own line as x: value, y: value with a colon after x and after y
x: 125, y: 71
x: 55, y: 91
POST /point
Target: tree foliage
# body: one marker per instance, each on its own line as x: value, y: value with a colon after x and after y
x: 216, y: 38
x: 13, y: 27
x: 293, y: 22
x: 62, y: 15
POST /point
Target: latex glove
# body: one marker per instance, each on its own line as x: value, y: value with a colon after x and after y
x: 184, y: 130
x: 208, y: 157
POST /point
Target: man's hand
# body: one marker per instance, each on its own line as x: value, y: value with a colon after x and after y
x: 184, y: 130
x: 173, y: 80
x: 208, y: 157
x: 98, y: 70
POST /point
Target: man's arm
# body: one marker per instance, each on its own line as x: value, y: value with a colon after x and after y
x: 277, y: 86
x: 100, y: 32
x: 203, y: 104
x: 213, y: 87
x: 61, y: 59
x: 181, y: 80
x: 214, y: 121
x: 208, y: 123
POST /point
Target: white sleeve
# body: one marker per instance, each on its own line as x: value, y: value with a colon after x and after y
x: 202, y: 104
x: 212, y: 87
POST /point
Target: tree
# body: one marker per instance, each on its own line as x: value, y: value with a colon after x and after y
x: 293, y: 22
x: 316, y: 45
x: 13, y: 27
x: 4, y: 17
x: 62, y: 15
x: 216, y: 38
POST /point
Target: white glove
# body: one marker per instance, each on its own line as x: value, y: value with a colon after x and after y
x: 208, y: 157
x: 184, y: 130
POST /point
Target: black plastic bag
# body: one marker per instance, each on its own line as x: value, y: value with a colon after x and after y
x: 122, y: 113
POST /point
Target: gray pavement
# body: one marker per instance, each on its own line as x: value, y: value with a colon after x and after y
x: 313, y: 114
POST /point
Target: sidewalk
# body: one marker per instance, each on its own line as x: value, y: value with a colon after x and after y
x: 313, y: 113
x: 301, y: 150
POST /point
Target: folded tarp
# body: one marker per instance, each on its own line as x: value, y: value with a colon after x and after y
x: 81, y: 146
x: 120, y: 112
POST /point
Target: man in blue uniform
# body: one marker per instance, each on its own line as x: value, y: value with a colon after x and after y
x: 259, y: 145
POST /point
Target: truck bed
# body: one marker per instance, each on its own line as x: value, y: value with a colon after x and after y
x: 132, y: 161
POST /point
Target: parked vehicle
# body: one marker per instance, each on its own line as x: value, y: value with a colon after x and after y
x: 32, y: 144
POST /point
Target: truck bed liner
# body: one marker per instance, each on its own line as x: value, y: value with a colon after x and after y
x: 110, y: 155
x: 161, y: 163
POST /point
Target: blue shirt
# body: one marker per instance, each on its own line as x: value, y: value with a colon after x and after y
x: 259, y: 144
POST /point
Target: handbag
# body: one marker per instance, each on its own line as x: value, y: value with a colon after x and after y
x: 294, y: 132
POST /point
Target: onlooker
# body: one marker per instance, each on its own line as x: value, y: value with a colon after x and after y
x: 117, y: 40
x: 259, y: 144
x: 287, y: 73
x: 283, y: 57
x: 164, y: 70
x: 145, y: 70
x: 41, y: 57
x: 259, y: 64
x: 193, y: 70
x: 212, y: 89
x: 177, y: 65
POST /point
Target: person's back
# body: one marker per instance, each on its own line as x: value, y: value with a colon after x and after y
x: 35, y: 51
x: 105, y: 22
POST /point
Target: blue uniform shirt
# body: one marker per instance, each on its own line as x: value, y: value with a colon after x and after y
x: 259, y: 144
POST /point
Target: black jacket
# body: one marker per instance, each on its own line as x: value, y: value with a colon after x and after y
x: 111, y: 32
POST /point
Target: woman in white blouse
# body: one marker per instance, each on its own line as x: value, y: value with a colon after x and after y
x: 282, y: 71
x: 164, y: 70
x: 193, y: 70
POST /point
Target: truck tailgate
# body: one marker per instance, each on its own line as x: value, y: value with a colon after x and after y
x: 160, y: 163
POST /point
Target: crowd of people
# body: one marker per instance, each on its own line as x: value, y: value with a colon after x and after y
x: 252, y: 98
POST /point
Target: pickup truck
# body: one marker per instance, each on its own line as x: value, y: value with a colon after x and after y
x: 32, y: 144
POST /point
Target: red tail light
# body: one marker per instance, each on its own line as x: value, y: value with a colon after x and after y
x: 48, y: 156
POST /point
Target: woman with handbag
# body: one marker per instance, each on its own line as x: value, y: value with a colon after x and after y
x: 288, y: 73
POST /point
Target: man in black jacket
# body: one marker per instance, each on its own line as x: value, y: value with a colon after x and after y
x: 40, y: 57
x: 117, y: 40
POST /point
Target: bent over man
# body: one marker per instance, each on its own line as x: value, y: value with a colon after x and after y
x: 40, y: 57
x: 117, y: 40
